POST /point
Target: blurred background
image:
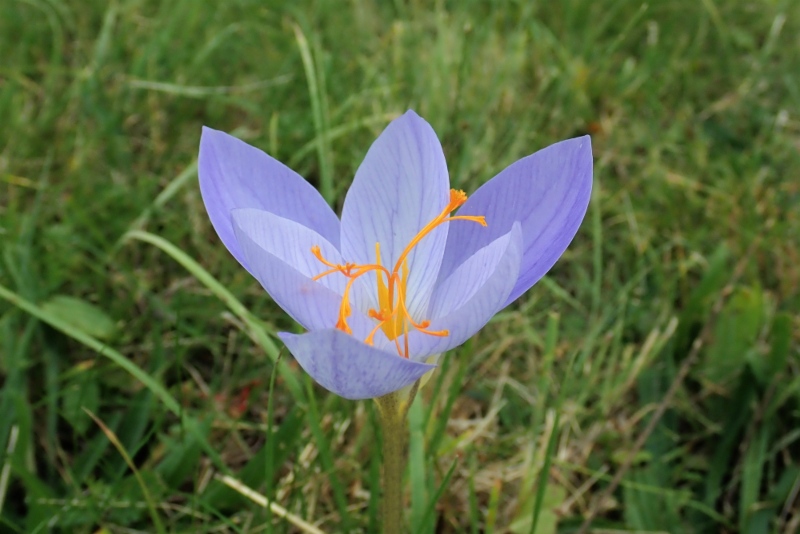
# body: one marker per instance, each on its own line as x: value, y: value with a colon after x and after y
x: 650, y: 383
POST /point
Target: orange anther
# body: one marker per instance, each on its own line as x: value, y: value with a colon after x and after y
x: 457, y: 198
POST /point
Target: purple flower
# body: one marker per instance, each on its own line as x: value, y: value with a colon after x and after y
x: 400, y: 279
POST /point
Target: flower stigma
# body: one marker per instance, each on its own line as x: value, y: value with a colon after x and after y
x: 392, y: 315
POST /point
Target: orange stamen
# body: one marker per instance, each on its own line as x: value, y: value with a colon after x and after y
x: 381, y: 318
x: 392, y: 316
x: 457, y: 198
x: 345, y: 269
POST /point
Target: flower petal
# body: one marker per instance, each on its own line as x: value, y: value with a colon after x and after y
x: 350, y: 368
x: 235, y: 175
x: 486, y: 279
x: 547, y: 193
x: 401, y: 185
x: 291, y: 242
x: 485, y: 266
x: 310, y: 303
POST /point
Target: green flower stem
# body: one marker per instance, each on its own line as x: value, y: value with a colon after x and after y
x: 393, y: 409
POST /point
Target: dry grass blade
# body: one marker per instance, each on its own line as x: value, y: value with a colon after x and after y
x: 262, y: 501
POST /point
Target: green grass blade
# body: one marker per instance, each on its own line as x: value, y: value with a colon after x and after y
x: 544, y: 475
x: 431, y: 507
x: 256, y: 328
x: 318, y: 105
x: 104, y: 350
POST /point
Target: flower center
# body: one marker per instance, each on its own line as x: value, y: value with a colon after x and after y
x: 392, y: 315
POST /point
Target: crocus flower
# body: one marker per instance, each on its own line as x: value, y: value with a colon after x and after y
x: 403, y: 276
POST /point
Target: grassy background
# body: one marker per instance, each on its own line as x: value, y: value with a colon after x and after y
x: 650, y: 383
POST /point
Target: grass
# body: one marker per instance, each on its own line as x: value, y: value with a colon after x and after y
x: 651, y: 383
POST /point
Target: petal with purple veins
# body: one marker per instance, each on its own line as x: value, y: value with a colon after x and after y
x: 547, y: 193
x: 291, y: 242
x: 308, y: 302
x: 486, y: 280
x: 350, y: 368
x: 235, y: 175
x: 401, y: 185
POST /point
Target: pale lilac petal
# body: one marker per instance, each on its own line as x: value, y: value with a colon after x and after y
x: 401, y: 185
x: 291, y: 242
x: 458, y: 288
x: 488, y: 277
x: 547, y: 193
x: 235, y: 175
x: 310, y: 303
x: 351, y: 369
